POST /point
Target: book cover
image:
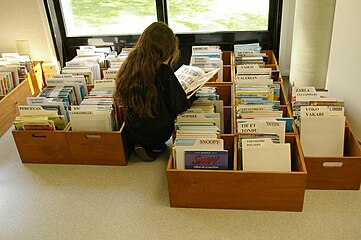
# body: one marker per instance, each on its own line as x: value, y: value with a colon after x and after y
x: 206, y: 159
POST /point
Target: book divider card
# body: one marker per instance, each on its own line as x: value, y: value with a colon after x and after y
x: 240, y: 189
x: 334, y: 160
x: 50, y: 69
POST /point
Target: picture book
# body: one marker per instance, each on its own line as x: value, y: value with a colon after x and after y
x: 193, y: 78
x: 195, y: 159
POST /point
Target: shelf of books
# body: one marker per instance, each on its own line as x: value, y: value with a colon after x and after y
x: 19, y: 78
x: 80, y: 136
x: 254, y: 160
x: 240, y: 189
x: 71, y: 147
x: 242, y: 145
x: 331, y: 150
x: 73, y: 119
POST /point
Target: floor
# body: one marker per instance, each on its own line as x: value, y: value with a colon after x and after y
x: 102, y: 202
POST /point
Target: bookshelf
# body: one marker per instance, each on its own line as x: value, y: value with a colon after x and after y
x: 338, y: 173
x: 238, y: 189
x: 9, y: 103
x: 223, y: 189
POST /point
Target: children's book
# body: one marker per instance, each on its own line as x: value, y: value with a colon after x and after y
x: 192, y: 78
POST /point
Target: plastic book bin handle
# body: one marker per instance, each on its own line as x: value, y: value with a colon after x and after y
x: 332, y: 164
x: 38, y: 136
x: 93, y: 137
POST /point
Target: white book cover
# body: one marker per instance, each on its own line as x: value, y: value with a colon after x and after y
x: 261, y: 154
x: 90, y: 121
x: 322, y: 132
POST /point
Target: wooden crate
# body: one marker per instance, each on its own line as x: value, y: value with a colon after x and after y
x: 9, y: 103
x: 73, y: 147
x: 233, y: 189
x: 342, y: 173
x: 67, y: 147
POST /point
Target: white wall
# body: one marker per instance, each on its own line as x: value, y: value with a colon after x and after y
x: 26, y: 20
x: 288, y: 14
x: 344, y: 78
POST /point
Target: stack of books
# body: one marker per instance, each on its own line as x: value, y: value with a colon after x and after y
x: 98, y: 111
x: 249, y: 54
x: 197, y: 142
x: 321, y: 122
x: 13, y: 69
x: 208, y: 58
x: 88, y: 62
x: 41, y: 118
x: 52, y: 104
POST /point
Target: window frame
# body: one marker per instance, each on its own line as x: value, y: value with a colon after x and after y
x: 65, y: 47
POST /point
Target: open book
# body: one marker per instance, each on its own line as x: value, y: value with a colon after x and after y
x: 193, y: 78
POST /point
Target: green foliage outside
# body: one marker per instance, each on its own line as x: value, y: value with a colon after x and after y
x: 98, y: 13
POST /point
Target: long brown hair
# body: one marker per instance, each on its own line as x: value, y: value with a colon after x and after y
x: 136, y: 87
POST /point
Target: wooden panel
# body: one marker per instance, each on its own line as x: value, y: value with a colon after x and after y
x: 224, y: 90
x: 227, y: 57
x: 100, y: 148
x: 227, y: 120
x: 271, y: 57
x: 9, y: 104
x: 228, y: 141
x: 227, y: 73
x: 240, y: 189
x: 343, y: 173
x: 235, y: 190
x: 41, y: 146
x: 283, y: 94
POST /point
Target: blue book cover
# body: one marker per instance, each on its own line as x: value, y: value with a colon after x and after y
x: 195, y: 159
x: 289, y: 122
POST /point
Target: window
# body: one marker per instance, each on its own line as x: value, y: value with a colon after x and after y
x: 107, y: 17
x: 119, y: 23
x: 201, y: 16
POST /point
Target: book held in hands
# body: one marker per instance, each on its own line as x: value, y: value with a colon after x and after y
x: 193, y: 78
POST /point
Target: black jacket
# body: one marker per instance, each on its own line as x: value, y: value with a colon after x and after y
x: 172, y: 100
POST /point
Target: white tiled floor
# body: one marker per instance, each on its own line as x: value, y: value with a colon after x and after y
x: 100, y: 202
